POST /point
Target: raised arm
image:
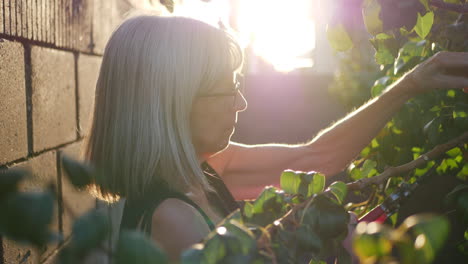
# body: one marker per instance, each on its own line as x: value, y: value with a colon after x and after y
x: 247, y: 169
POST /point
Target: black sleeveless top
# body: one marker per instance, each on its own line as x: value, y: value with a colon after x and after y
x: 142, y: 208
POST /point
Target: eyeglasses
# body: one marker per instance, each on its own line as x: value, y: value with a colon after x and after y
x: 237, y: 86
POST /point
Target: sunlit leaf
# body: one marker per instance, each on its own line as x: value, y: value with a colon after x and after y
x: 372, y: 241
x: 429, y: 232
x: 463, y: 173
x: 317, y: 185
x: 384, y: 57
x: 214, y: 250
x: 371, y: 12
x: 368, y: 168
x: 424, y: 24
x: 339, y: 190
x: 290, y: 181
x: 135, y: 247
x: 339, y: 38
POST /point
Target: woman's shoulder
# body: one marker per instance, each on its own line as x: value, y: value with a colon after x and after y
x: 176, y: 225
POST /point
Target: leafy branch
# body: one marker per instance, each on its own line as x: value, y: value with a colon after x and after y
x: 392, y: 171
x: 459, y: 8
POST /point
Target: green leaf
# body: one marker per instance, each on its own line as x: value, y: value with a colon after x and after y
x: 371, y: 15
x: 307, y: 239
x: 372, y: 241
x: 332, y: 220
x: 193, y: 255
x: 339, y: 38
x: 462, y: 205
x: 384, y: 57
x: 290, y: 181
x: 368, y: 168
x: 317, y: 185
x: 80, y: 174
x: 89, y: 231
x: 355, y: 174
x: 425, y: 3
x: 379, y: 86
x: 454, y: 152
x: 424, y: 24
x: 268, y: 193
x: 451, y: 197
x: 429, y: 232
x: 214, y: 250
x: 463, y: 173
x: 339, y: 190
x: 248, y: 209
x: 135, y: 247
x: 25, y: 217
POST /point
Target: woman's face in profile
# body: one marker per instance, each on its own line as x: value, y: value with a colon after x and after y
x: 214, y: 116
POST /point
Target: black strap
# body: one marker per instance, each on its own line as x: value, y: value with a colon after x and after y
x: 142, y: 208
x: 222, y: 198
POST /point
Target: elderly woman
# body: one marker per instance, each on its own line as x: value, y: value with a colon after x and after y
x: 166, y: 106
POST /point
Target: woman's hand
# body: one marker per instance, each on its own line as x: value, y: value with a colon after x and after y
x: 444, y: 70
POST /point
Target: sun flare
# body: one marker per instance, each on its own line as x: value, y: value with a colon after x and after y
x: 280, y: 32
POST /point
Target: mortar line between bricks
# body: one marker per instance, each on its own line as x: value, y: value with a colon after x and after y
x: 59, y: 191
x: 9, y: 15
x: 44, y: 45
x: 16, y: 18
x: 29, y: 106
x: 36, y: 154
x: 77, y: 97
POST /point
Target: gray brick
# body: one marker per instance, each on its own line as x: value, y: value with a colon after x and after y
x: 105, y: 19
x: 44, y: 170
x: 53, y: 98
x: 76, y: 202
x: 13, y: 124
x: 15, y: 253
x: 88, y: 73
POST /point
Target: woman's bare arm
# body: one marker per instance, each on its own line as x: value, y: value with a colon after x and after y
x: 247, y: 169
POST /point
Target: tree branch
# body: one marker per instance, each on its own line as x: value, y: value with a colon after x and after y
x: 459, y: 8
x: 392, y: 171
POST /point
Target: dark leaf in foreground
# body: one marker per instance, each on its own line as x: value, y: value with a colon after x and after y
x: 26, y: 217
x: 80, y: 174
x: 135, y: 247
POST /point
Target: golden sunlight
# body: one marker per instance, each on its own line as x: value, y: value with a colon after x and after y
x: 282, y: 34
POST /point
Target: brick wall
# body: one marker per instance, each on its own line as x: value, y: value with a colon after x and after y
x: 50, y: 54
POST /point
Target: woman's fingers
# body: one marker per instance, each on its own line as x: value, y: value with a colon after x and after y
x: 448, y: 60
x: 452, y: 82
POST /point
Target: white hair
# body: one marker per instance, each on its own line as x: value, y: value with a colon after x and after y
x: 152, y: 69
